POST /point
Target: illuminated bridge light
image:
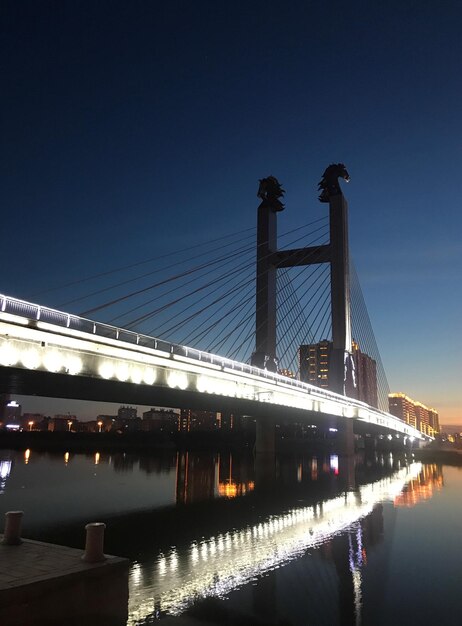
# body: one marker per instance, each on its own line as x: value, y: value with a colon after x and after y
x: 8, y: 354
x: 136, y: 375
x: 30, y: 359
x: 53, y: 361
x: 73, y: 365
x: 122, y: 372
x: 149, y: 376
x: 177, y: 379
x: 106, y: 370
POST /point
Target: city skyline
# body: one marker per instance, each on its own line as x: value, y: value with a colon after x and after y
x: 148, y: 127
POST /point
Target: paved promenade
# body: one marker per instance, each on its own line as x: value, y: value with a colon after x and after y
x: 44, y: 583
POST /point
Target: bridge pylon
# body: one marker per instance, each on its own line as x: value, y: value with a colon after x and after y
x: 270, y: 259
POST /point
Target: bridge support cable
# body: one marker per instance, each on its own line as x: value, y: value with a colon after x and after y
x: 186, y: 272
x: 248, y: 247
x: 223, y: 297
x: 180, y: 299
x: 216, y: 281
x: 364, y: 335
x: 304, y: 257
x: 300, y: 302
x: 250, y: 336
x: 221, y: 341
x: 169, y: 279
x: 210, y: 323
x: 318, y: 298
x: 201, y: 271
x: 155, y: 259
x: 238, y: 254
x: 233, y: 352
x: 323, y: 306
x: 232, y: 311
x: 299, y: 322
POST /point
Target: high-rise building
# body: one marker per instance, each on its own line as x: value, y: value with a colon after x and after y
x: 366, y: 376
x: 286, y: 372
x: 315, y: 365
x: 189, y: 420
x: 314, y: 360
x: 414, y: 413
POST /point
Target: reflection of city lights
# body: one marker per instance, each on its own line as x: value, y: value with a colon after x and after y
x: 26, y: 456
x: 162, y: 566
x: 66, y: 458
x: 421, y: 488
x: 135, y: 574
x: 334, y: 463
x: 97, y: 456
x: 243, y: 554
x: 314, y: 468
x: 232, y: 489
x: 5, y: 469
x: 173, y: 560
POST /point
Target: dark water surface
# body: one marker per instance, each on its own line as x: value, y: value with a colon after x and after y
x: 308, y: 539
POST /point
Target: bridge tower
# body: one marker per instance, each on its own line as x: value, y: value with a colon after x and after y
x: 270, y: 259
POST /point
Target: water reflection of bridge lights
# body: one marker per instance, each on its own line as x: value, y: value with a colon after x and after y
x: 217, y: 565
x: 5, y: 470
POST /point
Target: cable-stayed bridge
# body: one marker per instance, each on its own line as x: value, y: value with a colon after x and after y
x: 245, y: 328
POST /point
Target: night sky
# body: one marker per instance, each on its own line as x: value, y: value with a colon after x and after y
x: 135, y: 128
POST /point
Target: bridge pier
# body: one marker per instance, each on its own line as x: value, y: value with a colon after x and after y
x: 265, y: 453
x: 265, y: 435
x: 345, y: 438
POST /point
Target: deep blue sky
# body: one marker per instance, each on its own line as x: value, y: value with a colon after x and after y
x: 130, y: 128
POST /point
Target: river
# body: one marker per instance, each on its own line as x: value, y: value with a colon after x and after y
x: 305, y: 540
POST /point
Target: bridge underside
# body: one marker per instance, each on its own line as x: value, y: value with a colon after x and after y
x: 20, y: 381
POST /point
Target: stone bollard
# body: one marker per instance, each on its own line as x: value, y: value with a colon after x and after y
x: 94, y: 543
x: 12, y: 534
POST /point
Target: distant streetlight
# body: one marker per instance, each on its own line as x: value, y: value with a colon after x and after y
x: 30, y: 425
x: 100, y: 425
x: 69, y: 424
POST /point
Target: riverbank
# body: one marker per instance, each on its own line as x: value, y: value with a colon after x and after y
x: 134, y: 442
x: 442, y: 456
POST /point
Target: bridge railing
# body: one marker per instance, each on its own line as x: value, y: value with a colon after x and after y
x: 38, y: 313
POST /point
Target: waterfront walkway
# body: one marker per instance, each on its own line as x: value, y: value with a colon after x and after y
x: 43, y: 583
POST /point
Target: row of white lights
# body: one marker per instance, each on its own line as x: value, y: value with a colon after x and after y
x: 56, y: 349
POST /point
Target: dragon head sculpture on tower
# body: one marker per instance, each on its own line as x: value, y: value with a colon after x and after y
x: 329, y: 185
x: 270, y: 191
